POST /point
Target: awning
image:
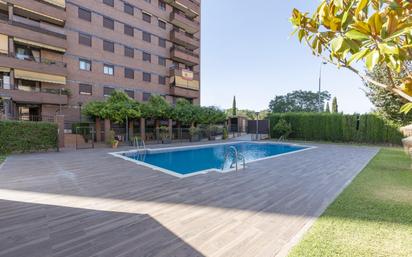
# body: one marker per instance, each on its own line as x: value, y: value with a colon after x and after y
x: 24, y: 41
x: 38, y: 13
x: 4, y: 69
x: 35, y: 76
x: 4, y: 44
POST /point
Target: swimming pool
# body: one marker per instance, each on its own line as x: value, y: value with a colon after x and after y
x: 192, y: 160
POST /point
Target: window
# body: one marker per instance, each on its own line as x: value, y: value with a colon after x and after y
x: 29, y: 53
x: 147, y: 17
x: 162, y: 80
x: 109, y: 2
x: 161, y: 24
x: 147, y: 57
x: 85, y: 65
x: 108, y: 46
x: 146, y: 96
x: 162, y: 42
x: 85, y: 89
x: 128, y: 30
x: 108, y: 69
x: 128, y: 73
x: 147, y: 37
x: 130, y: 93
x: 162, y: 5
x: 162, y: 61
x: 128, y: 52
x: 85, y: 39
x: 107, y: 91
x: 147, y: 77
x: 108, y: 23
x: 128, y: 9
x: 85, y: 14
x: 148, y: 1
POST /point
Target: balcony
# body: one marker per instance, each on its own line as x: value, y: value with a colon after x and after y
x: 182, y: 38
x: 183, y: 55
x: 42, y: 27
x: 184, y: 92
x: 190, y: 8
x: 184, y: 83
x: 182, y: 73
x: 181, y: 21
x: 41, y: 66
x: 42, y: 96
x: 41, y: 10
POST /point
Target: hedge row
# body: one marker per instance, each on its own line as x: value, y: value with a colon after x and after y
x: 355, y: 128
x: 21, y: 136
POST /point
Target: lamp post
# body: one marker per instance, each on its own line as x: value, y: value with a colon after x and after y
x: 320, y: 85
x: 257, y: 126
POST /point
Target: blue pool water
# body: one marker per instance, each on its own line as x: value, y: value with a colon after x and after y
x: 185, y: 161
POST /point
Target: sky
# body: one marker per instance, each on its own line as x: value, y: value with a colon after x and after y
x: 248, y: 51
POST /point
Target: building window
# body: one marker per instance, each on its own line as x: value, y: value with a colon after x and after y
x: 161, y: 24
x: 162, y: 61
x: 162, y: 5
x: 128, y: 52
x: 108, y: 46
x: 147, y: 17
x: 128, y: 9
x: 162, y: 42
x: 162, y: 80
x: 85, y: 65
x: 128, y: 73
x: 107, y: 91
x: 109, y: 2
x: 147, y: 77
x: 108, y: 23
x: 148, y: 1
x: 146, y: 96
x: 84, y: 14
x: 130, y: 93
x: 85, y: 89
x: 147, y: 37
x: 108, y: 69
x: 128, y: 30
x: 85, y: 39
x: 147, y: 57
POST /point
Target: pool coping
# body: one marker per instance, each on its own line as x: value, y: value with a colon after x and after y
x: 178, y: 175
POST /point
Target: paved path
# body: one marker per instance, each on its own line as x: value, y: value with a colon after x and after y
x: 88, y: 203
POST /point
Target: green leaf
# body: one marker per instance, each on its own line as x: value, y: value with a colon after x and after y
x: 337, y: 43
x: 359, y: 55
x: 356, y: 35
x: 406, y: 108
x: 372, y: 59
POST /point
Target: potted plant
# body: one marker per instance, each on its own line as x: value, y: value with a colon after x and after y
x: 194, y: 134
x: 164, y: 135
x: 112, y: 141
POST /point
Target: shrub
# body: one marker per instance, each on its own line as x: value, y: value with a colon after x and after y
x: 22, y: 136
x: 282, y: 128
x: 367, y: 128
x: 225, y: 133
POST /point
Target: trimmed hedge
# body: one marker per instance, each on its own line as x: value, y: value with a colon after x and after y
x: 367, y: 128
x: 23, y: 136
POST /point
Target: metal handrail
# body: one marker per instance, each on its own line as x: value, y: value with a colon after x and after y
x: 236, y: 158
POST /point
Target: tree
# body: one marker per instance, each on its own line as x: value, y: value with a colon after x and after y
x: 375, y: 32
x: 234, y: 109
x: 185, y: 112
x: 327, y: 108
x: 298, y: 101
x: 211, y: 115
x: 387, y: 105
x: 157, y: 108
x: 335, y: 107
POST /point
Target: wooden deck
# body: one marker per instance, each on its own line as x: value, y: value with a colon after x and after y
x: 88, y: 203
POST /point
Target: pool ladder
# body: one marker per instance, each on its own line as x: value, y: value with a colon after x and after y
x: 237, y: 156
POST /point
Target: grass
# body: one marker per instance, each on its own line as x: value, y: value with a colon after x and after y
x: 372, y: 217
x: 2, y: 158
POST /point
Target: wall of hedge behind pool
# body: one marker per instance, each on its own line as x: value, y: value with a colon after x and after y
x: 367, y: 128
x: 21, y: 136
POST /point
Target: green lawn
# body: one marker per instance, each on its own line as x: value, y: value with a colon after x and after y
x: 372, y: 217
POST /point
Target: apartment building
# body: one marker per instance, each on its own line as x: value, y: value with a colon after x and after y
x: 56, y: 55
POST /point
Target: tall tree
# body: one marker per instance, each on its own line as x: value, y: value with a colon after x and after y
x: 298, y: 101
x: 234, y: 109
x: 327, y: 108
x: 335, y: 107
x: 375, y: 32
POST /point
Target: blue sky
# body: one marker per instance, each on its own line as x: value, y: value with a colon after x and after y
x: 247, y: 51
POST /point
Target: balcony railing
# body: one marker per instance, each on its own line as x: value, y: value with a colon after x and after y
x: 180, y: 20
x: 191, y: 8
x: 41, y: 27
x: 179, y: 72
x: 38, y: 60
x: 54, y: 91
x: 185, y: 51
x: 182, y: 38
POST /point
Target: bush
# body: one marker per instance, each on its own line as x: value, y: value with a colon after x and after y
x: 282, y: 128
x: 367, y: 128
x: 22, y: 136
